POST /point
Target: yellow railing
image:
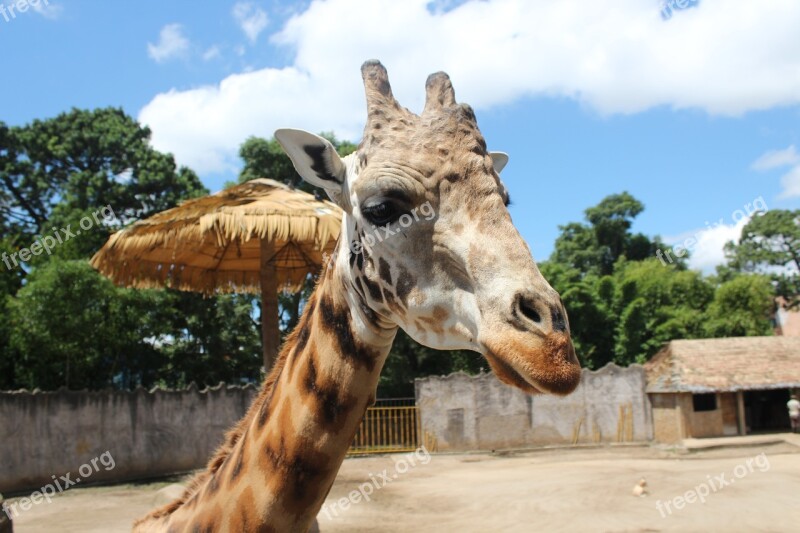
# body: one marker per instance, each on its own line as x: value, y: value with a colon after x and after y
x: 387, y: 430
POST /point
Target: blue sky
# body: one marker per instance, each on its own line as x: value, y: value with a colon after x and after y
x: 697, y: 116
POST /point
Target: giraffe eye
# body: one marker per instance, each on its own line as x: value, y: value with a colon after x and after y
x: 381, y: 213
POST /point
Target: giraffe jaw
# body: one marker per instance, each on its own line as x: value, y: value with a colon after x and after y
x: 508, y: 375
x: 545, y: 365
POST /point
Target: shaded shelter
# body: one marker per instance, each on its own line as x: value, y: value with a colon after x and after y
x: 258, y: 236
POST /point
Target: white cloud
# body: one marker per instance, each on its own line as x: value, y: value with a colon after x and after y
x: 614, y: 56
x: 777, y: 159
x: 709, y: 251
x: 221, y: 117
x: 172, y: 43
x: 212, y: 53
x: 251, y: 19
x: 788, y: 157
x: 707, y: 245
x: 47, y: 9
x: 790, y: 184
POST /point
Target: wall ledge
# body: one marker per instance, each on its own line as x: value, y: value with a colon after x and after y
x: 192, y: 388
x: 609, y: 369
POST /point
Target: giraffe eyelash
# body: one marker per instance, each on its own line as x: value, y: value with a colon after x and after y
x: 382, y: 213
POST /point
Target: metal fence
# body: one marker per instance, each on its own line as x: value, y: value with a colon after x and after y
x: 387, y: 429
x: 395, y: 402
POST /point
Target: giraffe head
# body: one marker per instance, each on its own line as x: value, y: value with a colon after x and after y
x: 427, y: 242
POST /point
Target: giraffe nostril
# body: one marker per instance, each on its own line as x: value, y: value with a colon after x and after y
x: 527, y: 309
x: 557, y: 316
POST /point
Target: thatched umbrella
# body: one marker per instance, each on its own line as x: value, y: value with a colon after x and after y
x: 257, y: 235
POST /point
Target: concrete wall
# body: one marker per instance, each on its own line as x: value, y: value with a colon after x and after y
x: 45, y: 434
x: 461, y: 412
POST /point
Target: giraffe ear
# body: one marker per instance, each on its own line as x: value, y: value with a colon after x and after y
x: 499, y: 160
x: 315, y: 159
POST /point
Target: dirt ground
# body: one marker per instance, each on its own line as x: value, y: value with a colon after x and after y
x: 749, y: 489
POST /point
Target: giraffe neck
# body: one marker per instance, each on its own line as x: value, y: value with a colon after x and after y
x: 279, y: 463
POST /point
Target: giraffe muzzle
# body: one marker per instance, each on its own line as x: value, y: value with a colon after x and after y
x: 534, y: 363
x: 532, y: 349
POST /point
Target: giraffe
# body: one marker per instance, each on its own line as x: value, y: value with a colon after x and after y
x: 461, y: 278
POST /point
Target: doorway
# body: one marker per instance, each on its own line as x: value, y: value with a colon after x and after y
x: 765, y: 410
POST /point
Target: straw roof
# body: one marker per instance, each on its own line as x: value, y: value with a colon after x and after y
x: 213, y: 243
x: 725, y: 365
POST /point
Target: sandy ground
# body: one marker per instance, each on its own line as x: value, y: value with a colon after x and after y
x: 545, y: 490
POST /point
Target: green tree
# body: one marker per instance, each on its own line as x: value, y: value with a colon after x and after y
x: 611, y: 222
x: 68, y: 326
x: 54, y: 172
x: 210, y: 340
x: 10, y: 282
x: 741, y: 307
x: 73, y: 328
x: 654, y: 304
x: 595, y: 247
x: 617, y: 295
x: 626, y: 317
x: 577, y: 247
x: 265, y: 158
x: 769, y: 244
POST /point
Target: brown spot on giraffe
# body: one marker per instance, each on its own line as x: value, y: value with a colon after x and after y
x: 374, y: 289
x: 385, y: 271
x: 405, y: 282
x: 244, y: 516
x: 238, y: 464
x: 391, y: 303
x: 337, y: 321
x: 299, y: 468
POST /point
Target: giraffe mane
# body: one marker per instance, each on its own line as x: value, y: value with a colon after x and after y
x: 233, y: 435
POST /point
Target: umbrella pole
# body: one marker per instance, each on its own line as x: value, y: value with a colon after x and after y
x: 270, y: 333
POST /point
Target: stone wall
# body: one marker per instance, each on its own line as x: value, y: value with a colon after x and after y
x: 461, y: 412
x: 146, y: 433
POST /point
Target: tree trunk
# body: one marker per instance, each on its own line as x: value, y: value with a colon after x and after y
x: 270, y: 334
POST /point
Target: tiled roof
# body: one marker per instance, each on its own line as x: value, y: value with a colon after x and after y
x: 730, y: 364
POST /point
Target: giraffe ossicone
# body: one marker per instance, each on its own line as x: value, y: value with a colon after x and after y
x: 462, y: 278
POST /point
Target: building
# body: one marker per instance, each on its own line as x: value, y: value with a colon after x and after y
x: 717, y: 387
